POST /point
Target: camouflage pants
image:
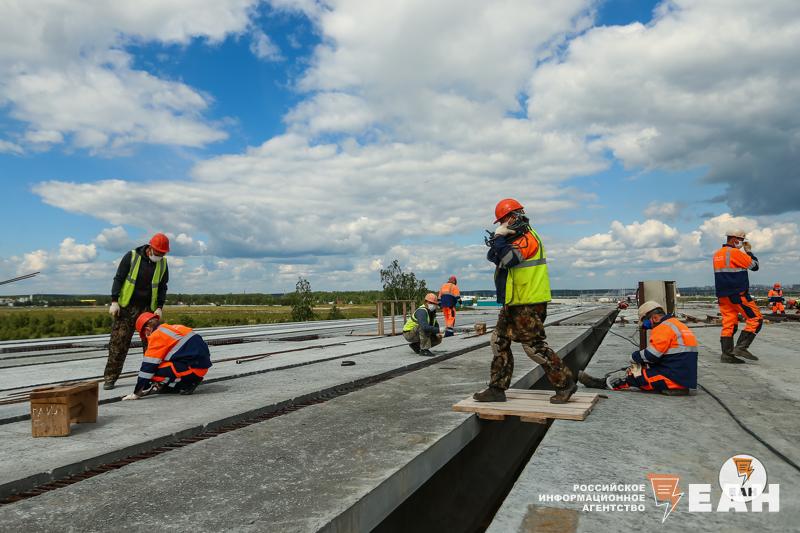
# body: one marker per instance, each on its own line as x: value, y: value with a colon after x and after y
x: 524, y: 324
x: 122, y: 329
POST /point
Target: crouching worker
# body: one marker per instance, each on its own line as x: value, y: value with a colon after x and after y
x: 421, y: 330
x: 176, y: 358
x: 668, y: 365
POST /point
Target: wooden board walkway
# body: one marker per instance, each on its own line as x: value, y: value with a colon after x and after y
x: 531, y: 406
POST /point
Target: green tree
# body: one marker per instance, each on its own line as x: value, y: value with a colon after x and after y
x: 399, y: 285
x: 303, y: 301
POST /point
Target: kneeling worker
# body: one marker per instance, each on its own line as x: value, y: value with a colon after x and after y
x: 176, y: 358
x: 421, y: 330
x: 669, y: 363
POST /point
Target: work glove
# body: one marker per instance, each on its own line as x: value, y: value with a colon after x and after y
x: 158, y: 312
x: 113, y: 309
x: 504, y: 230
x: 130, y: 396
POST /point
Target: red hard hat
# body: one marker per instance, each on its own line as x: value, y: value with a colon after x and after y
x: 452, y: 279
x: 143, y: 319
x: 505, y: 207
x: 431, y: 298
x: 777, y: 286
x: 160, y: 243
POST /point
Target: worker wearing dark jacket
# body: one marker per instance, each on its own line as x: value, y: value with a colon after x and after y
x: 731, y: 263
x: 421, y: 330
x: 176, y: 359
x: 669, y: 363
x: 140, y: 285
x: 523, y: 289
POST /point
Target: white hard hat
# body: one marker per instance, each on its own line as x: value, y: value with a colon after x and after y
x: 647, y: 307
x: 736, y: 233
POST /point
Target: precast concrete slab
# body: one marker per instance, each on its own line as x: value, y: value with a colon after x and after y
x: 341, y: 465
x: 632, y: 434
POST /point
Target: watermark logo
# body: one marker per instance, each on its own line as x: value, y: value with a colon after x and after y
x: 665, y: 492
x: 743, y: 478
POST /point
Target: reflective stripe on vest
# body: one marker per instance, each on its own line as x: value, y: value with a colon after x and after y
x: 411, y: 323
x: 529, y: 282
x: 682, y: 346
x: 130, y: 281
x: 728, y: 267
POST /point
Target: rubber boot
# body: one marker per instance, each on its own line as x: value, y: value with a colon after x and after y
x: 563, y: 395
x: 591, y: 383
x: 108, y: 385
x: 414, y: 346
x: 727, y: 351
x: 492, y: 394
x: 675, y: 392
x: 426, y: 353
x: 742, y: 345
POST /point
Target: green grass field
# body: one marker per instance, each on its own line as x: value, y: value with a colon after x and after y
x: 33, y: 323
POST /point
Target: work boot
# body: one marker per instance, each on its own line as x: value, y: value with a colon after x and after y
x: 448, y: 333
x: 563, y: 395
x: 675, y: 392
x: 742, y: 345
x: 189, y: 390
x: 426, y: 353
x: 591, y: 383
x: 492, y: 394
x: 414, y: 346
x: 727, y: 351
x: 108, y: 385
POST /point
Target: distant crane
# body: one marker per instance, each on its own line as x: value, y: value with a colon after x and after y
x: 20, y: 278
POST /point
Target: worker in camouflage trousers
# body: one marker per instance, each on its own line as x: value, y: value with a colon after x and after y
x: 523, y: 289
x: 524, y: 324
x: 140, y: 285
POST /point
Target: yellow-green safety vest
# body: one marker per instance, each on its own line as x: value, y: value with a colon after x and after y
x: 130, y: 281
x: 411, y: 323
x: 529, y: 282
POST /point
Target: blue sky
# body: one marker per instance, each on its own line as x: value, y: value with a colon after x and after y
x: 285, y: 138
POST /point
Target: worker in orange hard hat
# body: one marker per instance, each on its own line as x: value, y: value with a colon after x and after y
x: 139, y: 285
x: 776, y: 300
x: 421, y: 330
x: 449, y: 296
x: 731, y: 263
x: 176, y: 358
x: 523, y: 289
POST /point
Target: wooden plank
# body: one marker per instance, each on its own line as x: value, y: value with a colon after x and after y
x: 517, y: 405
x: 542, y: 421
x: 487, y: 416
x: 581, y: 398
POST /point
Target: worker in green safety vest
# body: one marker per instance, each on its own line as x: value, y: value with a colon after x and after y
x: 523, y: 289
x: 140, y: 285
x: 421, y: 330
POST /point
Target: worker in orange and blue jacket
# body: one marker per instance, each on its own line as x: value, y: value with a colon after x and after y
x: 776, y: 300
x: 449, y: 296
x: 731, y: 263
x: 669, y: 363
x: 175, y: 359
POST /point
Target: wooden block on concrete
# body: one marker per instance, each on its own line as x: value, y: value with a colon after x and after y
x: 531, y: 406
x: 53, y: 409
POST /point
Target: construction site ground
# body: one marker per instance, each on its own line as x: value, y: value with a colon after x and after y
x: 297, y: 442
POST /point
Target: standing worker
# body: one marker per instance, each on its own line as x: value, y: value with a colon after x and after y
x: 731, y: 263
x: 176, y: 359
x: 421, y: 330
x: 140, y: 285
x: 776, y: 300
x: 449, y: 296
x: 523, y: 288
x: 669, y: 363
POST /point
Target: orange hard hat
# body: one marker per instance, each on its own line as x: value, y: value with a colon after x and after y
x: 160, y: 243
x: 777, y: 286
x: 143, y: 319
x: 452, y: 279
x: 431, y: 298
x: 505, y: 207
